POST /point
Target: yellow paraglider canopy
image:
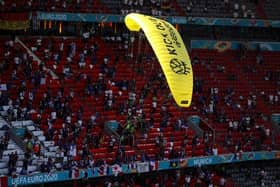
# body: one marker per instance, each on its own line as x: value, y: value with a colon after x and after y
x: 171, y: 54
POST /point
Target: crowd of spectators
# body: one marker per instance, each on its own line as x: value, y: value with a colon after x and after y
x: 199, y: 176
x: 241, y: 111
x: 151, y: 7
x: 51, y: 109
x: 76, y: 135
x: 44, y: 5
x: 234, y: 9
x: 77, y: 130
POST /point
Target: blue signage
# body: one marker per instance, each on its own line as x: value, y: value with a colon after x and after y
x: 86, y: 17
x: 233, y: 22
x: 38, y: 178
x: 275, y: 118
x: 234, y: 45
x: 19, y: 131
x: 79, y: 17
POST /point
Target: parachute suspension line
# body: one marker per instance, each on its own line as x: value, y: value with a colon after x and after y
x: 131, y: 44
x: 139, y: 53
x: 136, y: 60
x: 144, y: 58
x: 131, y: 55
x: 144, y: 54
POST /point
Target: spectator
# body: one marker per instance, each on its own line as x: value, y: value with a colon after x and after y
x: 222, y: 181
x: 259, y: 58
x: 24, y: 166
x: 45, y: 167
x: 13, y: 158
x: 37, y: 149
x: 262, y: 177
x: 215, y: 150
x: 188, y: 9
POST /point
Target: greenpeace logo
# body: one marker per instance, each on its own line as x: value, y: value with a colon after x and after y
x: 179, y: 66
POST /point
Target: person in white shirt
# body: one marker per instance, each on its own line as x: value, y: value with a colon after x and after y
x: 73, y: 150
x: 276, y: 99
x: 271, y: 98
x: 53, y: 115
x: 222, y: 181
x: 211, y: 107
x: 187, y: 180
x: 215, y: 150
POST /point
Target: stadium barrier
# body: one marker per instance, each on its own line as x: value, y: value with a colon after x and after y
x: 275, y: 118
x: 234, y: 45
x: 140, y: 167
x: 86, y: 17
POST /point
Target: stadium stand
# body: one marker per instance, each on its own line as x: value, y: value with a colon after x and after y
x: 58, y: 94
x: 235, y: 9
x: 265, y: 174
x: 58, y: 6
x: 85, y: 94
x: 159, y: 8
x: 271, y: 9
x: 236, y: 92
